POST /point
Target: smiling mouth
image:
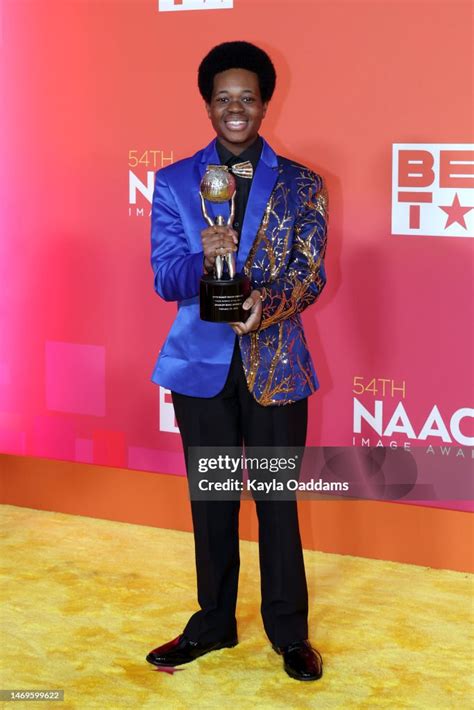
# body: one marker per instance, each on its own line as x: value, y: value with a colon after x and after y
x: 236, y: 124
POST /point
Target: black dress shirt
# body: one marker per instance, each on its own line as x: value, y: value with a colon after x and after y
x: 252, y: 154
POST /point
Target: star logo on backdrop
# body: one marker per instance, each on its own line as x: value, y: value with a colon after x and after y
x: 455, y: 212
x: 433, y: 189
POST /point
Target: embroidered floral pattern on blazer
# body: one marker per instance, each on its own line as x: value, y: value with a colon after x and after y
x: 286, y: 263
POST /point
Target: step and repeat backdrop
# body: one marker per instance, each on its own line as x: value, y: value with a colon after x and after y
x: 98, y: 94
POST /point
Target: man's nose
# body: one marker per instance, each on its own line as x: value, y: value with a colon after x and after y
x: 235, y: 105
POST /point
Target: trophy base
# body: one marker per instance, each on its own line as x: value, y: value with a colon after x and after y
x: 221, y: 300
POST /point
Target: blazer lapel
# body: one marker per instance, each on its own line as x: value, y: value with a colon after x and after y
x: 262, y: 186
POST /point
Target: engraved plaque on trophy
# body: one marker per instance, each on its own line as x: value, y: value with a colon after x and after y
x: 222, y: 292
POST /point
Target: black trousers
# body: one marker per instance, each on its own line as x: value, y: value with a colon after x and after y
x: 231, y: 418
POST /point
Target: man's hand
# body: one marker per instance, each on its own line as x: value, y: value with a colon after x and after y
x: 254, y: 304
x: 217, y: 241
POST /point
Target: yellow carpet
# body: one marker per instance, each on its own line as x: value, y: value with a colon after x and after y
x: 84, y: 600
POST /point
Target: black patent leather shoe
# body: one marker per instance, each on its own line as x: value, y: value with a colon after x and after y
x: 301, y: 661
x: 182, y: 650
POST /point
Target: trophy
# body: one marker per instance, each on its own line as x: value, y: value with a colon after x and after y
x: 222, y: 292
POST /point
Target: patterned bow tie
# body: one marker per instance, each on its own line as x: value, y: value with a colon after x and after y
x: 243, y: 170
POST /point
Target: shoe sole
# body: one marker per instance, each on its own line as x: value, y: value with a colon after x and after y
x: 298, y: 677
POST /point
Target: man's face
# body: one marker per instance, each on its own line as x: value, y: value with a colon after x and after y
x: 236, y: 109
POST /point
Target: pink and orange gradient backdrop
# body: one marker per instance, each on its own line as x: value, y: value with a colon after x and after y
x: 90, y: 86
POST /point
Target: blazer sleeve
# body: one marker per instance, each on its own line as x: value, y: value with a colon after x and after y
x: 177, y: 270
x: 305, y: 276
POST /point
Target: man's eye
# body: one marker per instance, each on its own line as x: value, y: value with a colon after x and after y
x: 222, y: 99
x: 248, y: 99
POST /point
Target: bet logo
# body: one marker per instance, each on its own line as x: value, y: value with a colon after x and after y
x: 170, y: 5
x: 433, y: 189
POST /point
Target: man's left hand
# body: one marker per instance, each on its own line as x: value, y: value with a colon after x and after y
x: 254, y: 304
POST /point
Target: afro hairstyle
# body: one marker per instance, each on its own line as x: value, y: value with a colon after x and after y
x: 236, y: 55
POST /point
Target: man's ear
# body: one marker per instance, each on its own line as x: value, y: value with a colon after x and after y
x: 265, y: 106
x: 208, y: 109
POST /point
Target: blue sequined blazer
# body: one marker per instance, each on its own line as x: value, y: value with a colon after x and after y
x: 281, y: 249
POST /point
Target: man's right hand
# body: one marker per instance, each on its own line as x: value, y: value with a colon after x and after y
x: 217, y: 241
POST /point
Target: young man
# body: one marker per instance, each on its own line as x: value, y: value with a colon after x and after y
x: 242, y: 382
